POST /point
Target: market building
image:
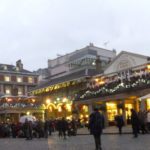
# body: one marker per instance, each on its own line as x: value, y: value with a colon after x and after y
x: 69, y: 74
x: 119, y: 88
x: 15, y: 83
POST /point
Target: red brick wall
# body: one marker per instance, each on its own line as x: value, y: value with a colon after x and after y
x: 13, y: 78
x: 35, y: 79
x: 25, y: 79
x: 1, y: 77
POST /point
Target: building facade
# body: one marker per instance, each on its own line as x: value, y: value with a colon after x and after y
x: 119, y: 88
x: 82, y: 59
x: 69, y: 74
x: 15, y: 83
x: 116, y: 89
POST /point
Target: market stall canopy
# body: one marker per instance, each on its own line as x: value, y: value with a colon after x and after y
x: 145, y: 97
x: 28, y: 117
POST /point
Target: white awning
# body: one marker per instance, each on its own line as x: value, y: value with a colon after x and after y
x: 145, y: 96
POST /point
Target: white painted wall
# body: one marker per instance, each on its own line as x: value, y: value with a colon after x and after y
x: 125, y: 61
x: 60, y: 64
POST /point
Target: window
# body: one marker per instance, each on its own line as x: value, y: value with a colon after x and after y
x: 5, y: 67
x: 8, y: 90
x: 19, y: 79
x: 30, y: 79
x: 20, y: 91
x: 17, y: 68
x: 7, y: 78
x: 111, y: 110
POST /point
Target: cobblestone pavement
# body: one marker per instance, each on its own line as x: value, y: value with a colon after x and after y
x: 109, y: 142
x: 108, y: 130
x: 22, y: 144
x: 79, y: 142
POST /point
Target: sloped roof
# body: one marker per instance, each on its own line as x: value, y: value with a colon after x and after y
x: 69, y: 77
x: 12, y: 68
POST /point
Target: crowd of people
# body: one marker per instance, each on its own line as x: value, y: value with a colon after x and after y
x: 38, y: 129
x: 140, y: 122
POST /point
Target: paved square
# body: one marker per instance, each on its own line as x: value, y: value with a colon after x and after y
x: 80, y: 142
x: 109, y: 142
x: 22, y: 144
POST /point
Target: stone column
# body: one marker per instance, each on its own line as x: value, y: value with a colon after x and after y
x: 136, y: 105
x: 124, y: 113
x: 105, y: 115
x: 90, y: 109
x: 26, y: 90
x: 143, y: 104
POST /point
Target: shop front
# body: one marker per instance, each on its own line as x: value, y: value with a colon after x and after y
x: 110, y: 109
x: 145, y: 102
x: 58, y: 108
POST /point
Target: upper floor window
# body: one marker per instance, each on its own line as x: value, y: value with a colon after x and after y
x: 20, y: 91
x: 30, y: 79
x: 5, y: 67
x: 7, y: 78
x: 19, y: 79
x: 8, y: 90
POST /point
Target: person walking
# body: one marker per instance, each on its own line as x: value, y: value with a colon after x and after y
x: 28, y: 129
x: 134, y: 123
x: 142, y: 121
x: 119, y: 123
x: 148, y: 120
x: 96, y: 126
x: 64, y: 127
x: 46, y: 128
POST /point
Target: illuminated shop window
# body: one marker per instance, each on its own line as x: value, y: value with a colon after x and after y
x: 19, y: 79
x: 30, y: 79
x: 8, y: 90
x: 148, y: 104
x: 128, y: 108
x: 68, y: 107
x: 7, y: 78
x: 111, y: 111
x: 85, y: 108
x: 59, y: 109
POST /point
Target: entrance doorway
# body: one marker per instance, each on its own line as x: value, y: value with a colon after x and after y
x: 111, y: 112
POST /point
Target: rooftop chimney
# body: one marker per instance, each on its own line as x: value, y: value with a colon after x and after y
x: 19, y: 64
x: 98, y: 64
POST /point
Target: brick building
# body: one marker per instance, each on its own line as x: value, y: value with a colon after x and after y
x: 15, y: 83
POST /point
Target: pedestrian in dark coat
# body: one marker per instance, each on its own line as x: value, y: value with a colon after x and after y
x: 46, y: 128
x: 134, y: 123
x: 96, y: 126
x: 28, y: 129
x: 142, y: 121
x: 64, y: 127
x: 59, y: 128
x: 119, y: 122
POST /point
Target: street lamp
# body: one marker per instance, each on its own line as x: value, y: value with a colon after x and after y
x: 46, y: 108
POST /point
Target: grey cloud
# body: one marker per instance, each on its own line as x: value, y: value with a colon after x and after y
x: 36, y: 30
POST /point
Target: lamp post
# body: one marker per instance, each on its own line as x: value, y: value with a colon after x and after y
x: 46, y: 108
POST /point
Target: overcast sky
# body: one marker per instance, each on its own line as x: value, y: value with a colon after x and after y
x: 38, y: 30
